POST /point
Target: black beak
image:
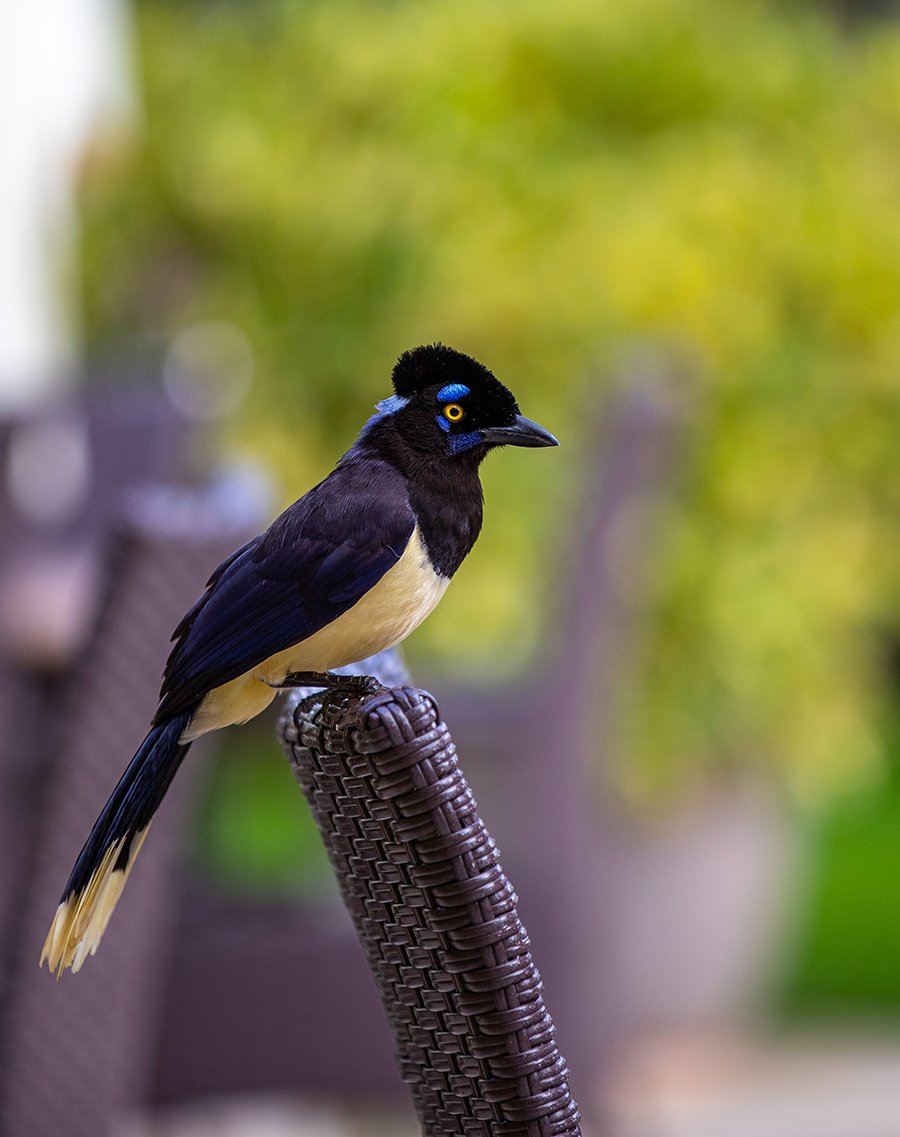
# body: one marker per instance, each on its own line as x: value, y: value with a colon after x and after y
x: 523, y: 432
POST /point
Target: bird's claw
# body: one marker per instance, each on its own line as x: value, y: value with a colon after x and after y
x: 332, y: 682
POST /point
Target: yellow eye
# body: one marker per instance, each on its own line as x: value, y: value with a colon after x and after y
x: 453, y: 412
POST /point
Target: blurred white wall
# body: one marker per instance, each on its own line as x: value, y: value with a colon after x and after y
x: 65, y: 74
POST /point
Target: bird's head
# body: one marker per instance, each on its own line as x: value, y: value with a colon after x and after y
x: 449, y: 405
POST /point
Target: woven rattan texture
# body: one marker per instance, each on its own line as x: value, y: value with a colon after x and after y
x: 436, y: 915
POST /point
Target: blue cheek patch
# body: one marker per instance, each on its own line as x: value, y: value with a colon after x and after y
x: 452, y: 392
x: 443, y: 423
x: 461, y: 442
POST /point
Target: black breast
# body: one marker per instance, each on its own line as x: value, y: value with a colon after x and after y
x: 448, y: 505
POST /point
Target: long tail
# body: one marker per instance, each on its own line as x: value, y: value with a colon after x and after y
x: 103, y: 865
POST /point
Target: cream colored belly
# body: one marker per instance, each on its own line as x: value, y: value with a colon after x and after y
x: 397, y: 604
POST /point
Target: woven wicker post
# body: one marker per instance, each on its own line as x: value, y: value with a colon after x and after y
x: 435, y: 913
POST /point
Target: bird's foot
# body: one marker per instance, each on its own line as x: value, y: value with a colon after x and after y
x: 334, y: 691
x: 360, y: 685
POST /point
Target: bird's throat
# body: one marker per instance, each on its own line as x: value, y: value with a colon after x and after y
x: 445, y: 494
x: 449, y: 510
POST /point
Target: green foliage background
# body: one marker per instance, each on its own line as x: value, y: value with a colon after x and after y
x: 539, y: 185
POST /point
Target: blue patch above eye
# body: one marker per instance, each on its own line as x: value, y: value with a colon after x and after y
x: 452, y: 392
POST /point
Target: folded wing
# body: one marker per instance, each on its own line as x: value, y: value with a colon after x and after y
x: 313, y: 564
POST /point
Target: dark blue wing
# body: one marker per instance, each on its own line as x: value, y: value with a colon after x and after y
x: 311, y: 565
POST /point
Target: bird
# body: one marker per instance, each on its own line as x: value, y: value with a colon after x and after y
x: 348, y: 570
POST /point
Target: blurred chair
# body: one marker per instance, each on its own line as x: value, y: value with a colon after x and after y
x: 74, y: 1056
x: 64, y: 474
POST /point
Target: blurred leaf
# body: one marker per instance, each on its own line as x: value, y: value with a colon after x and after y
x: 255, y: 833
x: 538, y: 184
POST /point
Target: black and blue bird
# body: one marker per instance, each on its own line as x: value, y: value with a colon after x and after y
x: 348, y: 570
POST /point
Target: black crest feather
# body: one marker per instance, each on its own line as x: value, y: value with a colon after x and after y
x: 422, y: 367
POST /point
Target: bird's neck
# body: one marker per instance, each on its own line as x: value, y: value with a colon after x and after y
x: 448, y: 502
x: 445, y: 495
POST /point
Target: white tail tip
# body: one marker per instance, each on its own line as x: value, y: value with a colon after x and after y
x: 81, y: 919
